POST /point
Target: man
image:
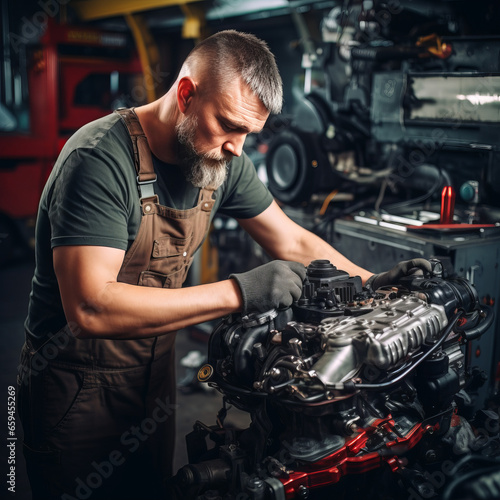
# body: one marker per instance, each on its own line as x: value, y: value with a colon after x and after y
x: 128, y: 203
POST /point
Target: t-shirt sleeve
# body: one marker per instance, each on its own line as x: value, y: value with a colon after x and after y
x: 89, y: 202
x: 245, y: 196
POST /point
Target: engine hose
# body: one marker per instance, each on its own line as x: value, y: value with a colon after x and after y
x: 243, y: 355
x: 286, y: 364
x: 404, y: 366
x: 205, y: 475
x: 289, y: 365
x: 238, y: 390
x: 310, y: 399
x: 352, y: 386
x: 490, y: 474
x: 317, y: 400
x: 272, y: 358
x: 481, y: 327
x: 278, y: 387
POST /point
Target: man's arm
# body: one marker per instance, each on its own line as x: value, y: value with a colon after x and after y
x: 101, y: 307
x: 284, y: 239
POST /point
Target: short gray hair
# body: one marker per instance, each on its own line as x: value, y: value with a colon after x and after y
x: 228, y: 52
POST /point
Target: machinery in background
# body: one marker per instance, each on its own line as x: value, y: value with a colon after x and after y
x: 352, y: 393
x: 393, y: 116
x: 73, y: 75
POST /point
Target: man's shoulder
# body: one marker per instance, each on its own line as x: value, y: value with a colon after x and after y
x: 104, y: 132
x: 100, y: 151
x: 101, y: 143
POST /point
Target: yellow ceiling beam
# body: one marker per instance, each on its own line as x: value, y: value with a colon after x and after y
x: 89, y: 10
x: 194, y: 23
x: 148, y: 52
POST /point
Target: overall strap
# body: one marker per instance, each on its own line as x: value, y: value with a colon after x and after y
x: 146, y: 176
x: 206, y: 200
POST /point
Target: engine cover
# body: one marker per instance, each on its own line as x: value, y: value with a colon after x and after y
x: 381, y: 338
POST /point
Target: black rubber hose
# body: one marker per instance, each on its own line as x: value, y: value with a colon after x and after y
x: 481, y: 327
x: 244, y: 356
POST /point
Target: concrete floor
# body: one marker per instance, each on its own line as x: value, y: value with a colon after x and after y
x: 194, y: 403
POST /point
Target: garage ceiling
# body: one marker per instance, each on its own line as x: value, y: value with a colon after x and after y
x: 169, y: 14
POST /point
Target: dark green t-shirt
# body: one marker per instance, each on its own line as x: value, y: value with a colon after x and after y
x: 91, y: 198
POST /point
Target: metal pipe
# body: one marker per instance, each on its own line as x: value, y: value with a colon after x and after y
x: 6, y: 60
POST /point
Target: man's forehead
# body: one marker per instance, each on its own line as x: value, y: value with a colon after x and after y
x: 239, y: 103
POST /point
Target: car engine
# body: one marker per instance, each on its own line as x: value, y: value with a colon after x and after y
x: 352, y: 393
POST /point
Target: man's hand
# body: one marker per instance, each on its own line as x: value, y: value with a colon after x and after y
x: 392, y: 277
x: 271, y: 286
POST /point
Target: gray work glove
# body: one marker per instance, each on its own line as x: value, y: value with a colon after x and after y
x: 273, y: 285
x: 392, y: 277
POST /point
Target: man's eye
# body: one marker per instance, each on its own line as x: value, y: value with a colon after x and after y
x: 226, y: 127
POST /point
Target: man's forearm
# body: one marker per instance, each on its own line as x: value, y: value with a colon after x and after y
x: 284, y: 239
x: 102, y: 307
x: 123, y: 311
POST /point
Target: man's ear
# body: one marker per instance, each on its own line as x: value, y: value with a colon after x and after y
x: 186, y: 89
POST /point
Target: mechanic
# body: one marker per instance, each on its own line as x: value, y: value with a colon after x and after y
x: 128, y: 203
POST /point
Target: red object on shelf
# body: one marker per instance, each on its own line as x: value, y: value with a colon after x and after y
x: 447, y: 205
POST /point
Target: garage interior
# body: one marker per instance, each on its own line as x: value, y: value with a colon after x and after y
x: 387, y: 147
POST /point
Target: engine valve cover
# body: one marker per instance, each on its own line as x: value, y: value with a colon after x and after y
x: 380, y: 338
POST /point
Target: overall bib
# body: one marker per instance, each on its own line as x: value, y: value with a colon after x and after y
x: 98, y: 415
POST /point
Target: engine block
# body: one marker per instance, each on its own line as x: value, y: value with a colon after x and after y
x: 346, y: 382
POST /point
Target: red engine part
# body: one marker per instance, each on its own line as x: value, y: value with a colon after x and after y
x: 348, y: 460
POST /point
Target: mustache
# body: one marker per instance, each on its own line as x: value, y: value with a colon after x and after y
x: 216, y: 157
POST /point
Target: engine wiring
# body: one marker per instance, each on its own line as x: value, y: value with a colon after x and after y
x: 464, y: 479
x: 327, y: 201
x: 404, y: 387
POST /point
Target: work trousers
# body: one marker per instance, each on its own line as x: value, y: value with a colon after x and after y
x: 93, y: 431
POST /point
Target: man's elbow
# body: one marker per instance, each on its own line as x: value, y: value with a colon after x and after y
x: 88, y: 322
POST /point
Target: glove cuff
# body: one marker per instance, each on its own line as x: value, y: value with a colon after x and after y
x: 241, y: 283
x: 369, y: 284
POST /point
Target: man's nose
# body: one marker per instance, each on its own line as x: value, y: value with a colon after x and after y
x: 235, y: 144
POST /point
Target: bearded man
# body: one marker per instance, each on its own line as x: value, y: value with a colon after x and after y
x: 129, y: 201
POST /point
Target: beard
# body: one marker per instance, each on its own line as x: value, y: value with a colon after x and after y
x: 203, y: 170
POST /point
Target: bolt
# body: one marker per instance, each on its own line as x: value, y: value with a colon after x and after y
x: 255, y: 485
x: 302, y: 492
